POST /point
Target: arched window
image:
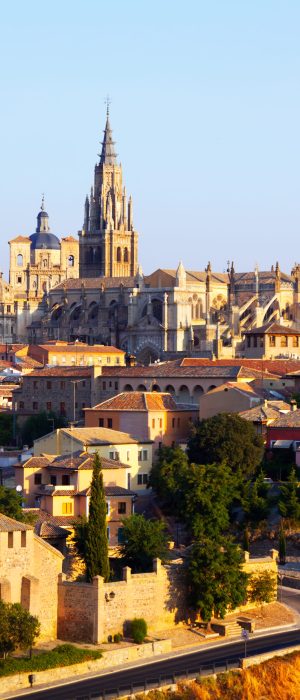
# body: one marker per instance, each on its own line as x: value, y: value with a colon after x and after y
x: 71, y: 261
x: 119, y: 254
x: 20, y: 260
x: 45, y: 262
x: 126, y: 255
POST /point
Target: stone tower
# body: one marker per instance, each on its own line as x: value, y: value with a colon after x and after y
x: 108, y: 243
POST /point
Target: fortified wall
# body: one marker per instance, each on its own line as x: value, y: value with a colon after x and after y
x: 89, y: 612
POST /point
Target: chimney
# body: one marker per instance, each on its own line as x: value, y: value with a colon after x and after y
x: 293, y: 405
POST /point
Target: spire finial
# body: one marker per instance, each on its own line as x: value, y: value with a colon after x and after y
x: 107, y: 102
x: 43, y: 202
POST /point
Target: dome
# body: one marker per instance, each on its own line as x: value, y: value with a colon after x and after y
x: 44, y: 241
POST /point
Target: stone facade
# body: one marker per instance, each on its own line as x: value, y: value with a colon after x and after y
x: 29, y: 569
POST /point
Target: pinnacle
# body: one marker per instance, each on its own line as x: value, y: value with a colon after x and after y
x: 108, y: 154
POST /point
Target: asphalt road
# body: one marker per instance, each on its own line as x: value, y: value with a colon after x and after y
x: 127, y: 680
x: 289, y: 596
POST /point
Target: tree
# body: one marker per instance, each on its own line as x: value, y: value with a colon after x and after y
x: 96, y: 551
x: 246, y: 543
x: 262, y: 588
x: 282, y: 545
x: 11, y: 503
x: 289, y: 505
x: 18, y: 628
x: 6, y: 428
x: 217, y: 582
x: 41, y: 424
x: 80, y: 535
x: 143, y: 541
x: 168, y: 478
x: 255, y: 503
x: 209, y: 491
x: 226, y: 438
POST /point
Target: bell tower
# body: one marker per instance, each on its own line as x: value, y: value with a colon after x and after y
x: 108, y: 243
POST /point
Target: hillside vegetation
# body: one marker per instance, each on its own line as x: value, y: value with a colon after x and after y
x: 276, y: 679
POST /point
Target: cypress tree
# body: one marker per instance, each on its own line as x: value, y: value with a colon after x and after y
x: 96, y: 554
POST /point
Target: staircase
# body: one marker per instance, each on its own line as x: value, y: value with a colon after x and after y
x: 226, y: 629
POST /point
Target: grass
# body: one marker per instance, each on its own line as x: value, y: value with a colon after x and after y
x: 63, y: 655
x: 276, y: 679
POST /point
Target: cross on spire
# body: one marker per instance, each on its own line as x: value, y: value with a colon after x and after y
x: 43, y: 202
x: 108, y: 103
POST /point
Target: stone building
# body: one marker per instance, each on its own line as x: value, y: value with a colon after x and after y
x: 29, y: 569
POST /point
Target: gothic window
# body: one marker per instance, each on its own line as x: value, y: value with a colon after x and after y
x: 126, y: 255
x: 71, y: 261
x: 97, y: 255
x: 45, y: 262
x: 20, y: 260
x: 19, y: 279
x: 157, y: 309
x: 119, y: 258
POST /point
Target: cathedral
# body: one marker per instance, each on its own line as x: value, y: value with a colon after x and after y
x: 92, y: 288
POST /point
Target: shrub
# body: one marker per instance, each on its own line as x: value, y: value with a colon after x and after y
x: 138, y: 629
x: 62, y: 655
x: 117, y: 638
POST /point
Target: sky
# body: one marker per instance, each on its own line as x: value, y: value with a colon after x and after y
x: 205, y: 110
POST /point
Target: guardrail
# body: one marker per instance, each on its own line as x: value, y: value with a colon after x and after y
x: 131, y: 688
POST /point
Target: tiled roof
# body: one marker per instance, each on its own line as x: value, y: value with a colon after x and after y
x: 110, y: 491
x: 34, y: 463
x: 99, y: 436
x: 274, y: 329
x: 168, y: 369
x: 288, y: 420
x: 242, y: 387
x: 61, y: 372
x: 97, y: 283
x: 264, y: 367
x: 20, y: 239
x: 10, y: 525
x: 81, y: 347
x: 269, y: 412
x: 50, y: 530
x: 83, y: 461
x: 69, y: 238
x: 139, y: 401
x: 61, y: 520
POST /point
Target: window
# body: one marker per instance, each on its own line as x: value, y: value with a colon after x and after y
x: 142, y: 479
x: 8, y: 308
x: 108, y: 360
x: 295, y: 341
x: 160, y: 422
x: 283, y: 341
x: 71, y: 261
x: 83, y: 383
x: 114, y: 455
x: 23, y: 538
x: 118, y: 254
x: 49, y: 405
x: 109, y: 423
x: 35, y: 385
x: 153, y: 422
x: 121, y: 507
x: 21, y: 404
x: 67, y: 508
x: 173, y: 422
x: 108, y: 507
x: 117, y: 360
x: 49, y: 385
x: 116, y: 385
x: 20, y: 260
x: 52, y: 479
x: 45, y: 262
x: 65, y: 480
x: 107, y: 532
x: 120, y: 535
x: 35, y: 405
x: 101, y: 422
x: 128, y: 455
x: 19, y: 279
x: 62, y: 385
x: 110, y: 384
x: 37, y: 479
x: 10, y: 540
x: 126, y: 255
x: 104, y: 385
x: 272, y: 341
x: 62, y: 408
x: 178, y: 422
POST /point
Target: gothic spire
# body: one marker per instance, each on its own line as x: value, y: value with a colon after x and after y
x: 108, y: 154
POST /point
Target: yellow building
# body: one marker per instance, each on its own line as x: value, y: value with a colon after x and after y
x: 60, y: 353
x: 110, y: 444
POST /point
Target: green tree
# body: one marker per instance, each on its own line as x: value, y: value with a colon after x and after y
x: 6, y: 429
x: 262, y: 588
x: 80, y: 535
x: 96, y: 551
x: 226, y: 438
x: 18, y: 628
x: 246, y: 542
x: 168, y: 478
x: 39, y: 425
x: 216, y: 580
x: 209, y: 491
x: 143, y: 541
x: 255, y: 503
x: 11, y: 503
x: 289, y: 505
x: 282, y: 545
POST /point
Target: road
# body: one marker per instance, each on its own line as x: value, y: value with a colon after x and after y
x: 289, y: 596
x: 126, y: 680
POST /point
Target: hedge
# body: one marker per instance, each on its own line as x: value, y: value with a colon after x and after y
x: 62, y: 655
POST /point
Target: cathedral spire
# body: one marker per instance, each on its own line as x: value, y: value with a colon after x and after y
x: 108, y: 154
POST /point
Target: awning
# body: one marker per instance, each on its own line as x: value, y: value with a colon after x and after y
x: 283, y: 444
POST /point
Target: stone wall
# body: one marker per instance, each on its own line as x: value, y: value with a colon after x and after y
x: 91, y: 612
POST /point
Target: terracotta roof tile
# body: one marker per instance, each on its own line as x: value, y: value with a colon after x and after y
x: 274, y: 329
x: 288, y: 420
x: 269, y: 412
x: 139, y: 401
x: 100, y: 436
x: 10, y: 525
x: 61, y: 372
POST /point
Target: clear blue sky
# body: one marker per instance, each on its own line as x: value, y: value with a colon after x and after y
x: 205, y: 112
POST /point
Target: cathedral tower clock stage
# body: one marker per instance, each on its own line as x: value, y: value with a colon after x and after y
x: 108, y: 243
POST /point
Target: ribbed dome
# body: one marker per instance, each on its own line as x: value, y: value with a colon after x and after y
x: 46, y: 241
